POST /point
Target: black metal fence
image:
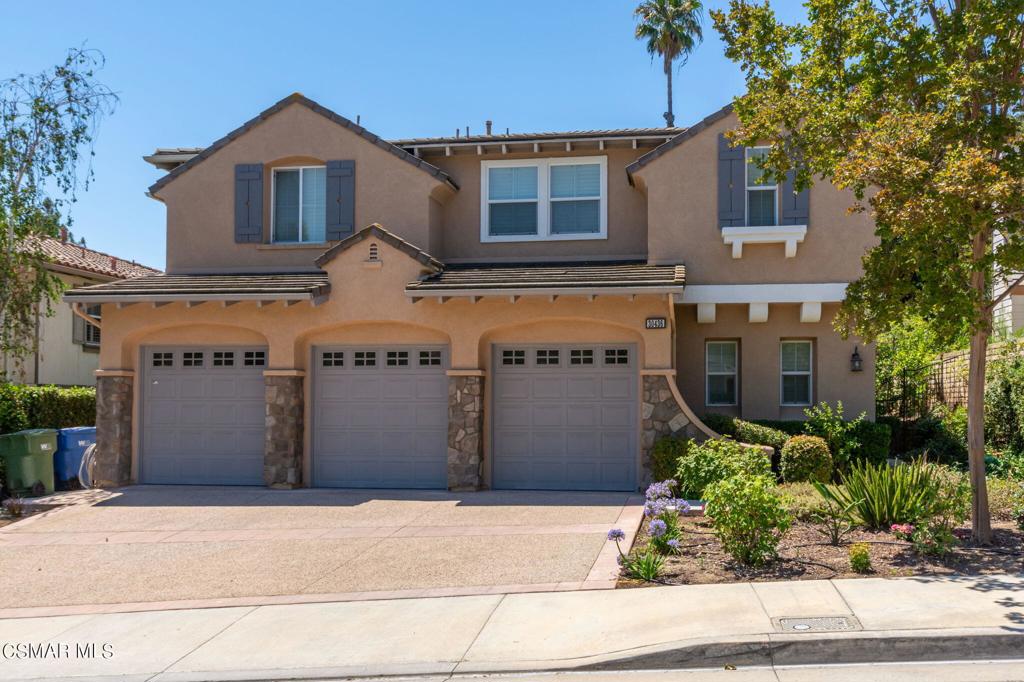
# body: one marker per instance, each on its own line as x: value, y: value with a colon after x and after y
x: 915, y: 392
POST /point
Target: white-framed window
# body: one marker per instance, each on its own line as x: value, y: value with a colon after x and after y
x: 721, y: 372
x: 796, y: 361
x: 544, y: 199
x: 299, y: 204
x: 92, y: 332
x: 762, y: 191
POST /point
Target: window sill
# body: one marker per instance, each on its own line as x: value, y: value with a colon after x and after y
x: 289, y: 246
x: 488, y: 239
x: 790, y: 235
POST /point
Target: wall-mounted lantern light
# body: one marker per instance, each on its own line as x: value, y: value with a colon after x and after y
x: 856, y: 364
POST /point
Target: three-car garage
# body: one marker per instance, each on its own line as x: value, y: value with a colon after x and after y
x: 561, y: 416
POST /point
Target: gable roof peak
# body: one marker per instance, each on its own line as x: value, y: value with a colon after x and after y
x: 388, y: 237
x: 299, y: 98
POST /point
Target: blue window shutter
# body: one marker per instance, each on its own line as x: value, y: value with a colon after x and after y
x: 796, y: 206
x: 341, y: 199
x: 732, y: 187
x: 248, y: 203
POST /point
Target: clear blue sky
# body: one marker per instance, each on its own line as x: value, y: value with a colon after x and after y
x: 189, y: 72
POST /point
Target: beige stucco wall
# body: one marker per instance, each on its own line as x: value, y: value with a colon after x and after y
x: 682, y: 219
x: 627, y: 213
x: 368, y: 305
x: 759, y: 371
x: 200, y: 202
x: 61, y: 360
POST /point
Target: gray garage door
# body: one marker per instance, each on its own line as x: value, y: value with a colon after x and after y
x: 380, y: 417
x: 565, y: 417
x: 203, y: 415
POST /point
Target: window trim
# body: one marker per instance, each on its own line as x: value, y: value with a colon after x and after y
x: 273, y: 203
x: 544, y: 201
x: 88, y: 329
x: 748, y: 188
x: 809, y: 373
x: 735, y: 373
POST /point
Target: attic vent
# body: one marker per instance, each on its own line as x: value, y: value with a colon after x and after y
x: 374, y: 253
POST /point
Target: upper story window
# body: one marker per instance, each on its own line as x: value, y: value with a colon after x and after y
x: 762, y: 190
x: 544, y: 199
x: 299, y: 211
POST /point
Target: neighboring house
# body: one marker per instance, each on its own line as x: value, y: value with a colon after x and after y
x: 66, y: 347
x: 505, y: 311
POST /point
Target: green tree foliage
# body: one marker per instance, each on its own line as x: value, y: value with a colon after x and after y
x: 915, y: 106
x: 47, y: 125
x: 672, y: 30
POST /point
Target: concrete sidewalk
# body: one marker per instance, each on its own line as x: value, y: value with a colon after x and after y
x: 665, y: 627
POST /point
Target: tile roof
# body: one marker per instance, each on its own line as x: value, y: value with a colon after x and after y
x: 527, y: 137
x: 297, y: 98
x: 291, y: 286
x: 77, y: 257
x: 634, y: 275
x: 677, y: 140
x: 386, y: 236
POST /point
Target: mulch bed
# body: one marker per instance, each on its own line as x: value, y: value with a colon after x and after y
x: 804, y: 554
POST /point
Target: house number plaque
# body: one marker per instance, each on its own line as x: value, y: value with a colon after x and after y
x: 656, y: 323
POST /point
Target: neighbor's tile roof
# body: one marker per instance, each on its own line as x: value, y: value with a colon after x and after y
x: 298, y: 98
x: 584, y: 275
x: 78, y: 257
x: 281, y: 286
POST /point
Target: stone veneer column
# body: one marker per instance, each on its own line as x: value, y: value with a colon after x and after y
x: 113, y: 463
x: 465, y: 431
x: 282, y: 454
x: 662, y: 416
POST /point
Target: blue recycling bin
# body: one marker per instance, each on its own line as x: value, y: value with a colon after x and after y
x: 71, y: 445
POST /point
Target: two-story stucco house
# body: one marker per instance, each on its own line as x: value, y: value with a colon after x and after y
x: 504, y: 311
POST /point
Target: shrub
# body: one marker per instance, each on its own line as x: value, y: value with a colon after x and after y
x: 1002, y: 495
x: 839, y: 434
x: 874, y: 441
x: 45, y: 407
x: 749, y: 517
x: 806, y: 458
x: 1004, y: 400
x: 941, y: 435
x: 1009, y: 464
x: 665, y: 456
x: 721, y: 423
x: 860, y: 557
x: 790, y: 427
x: 715, y: 460
x: 880, y: 496
x: 756, y: 434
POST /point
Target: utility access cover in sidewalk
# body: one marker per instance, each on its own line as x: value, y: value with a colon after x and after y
x: 818, y: 624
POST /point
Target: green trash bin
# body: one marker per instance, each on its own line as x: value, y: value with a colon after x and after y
x: 28, y: 459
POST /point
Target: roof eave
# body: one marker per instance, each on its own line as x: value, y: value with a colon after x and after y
x: 692, y: 131
x: 656, y: 290
x: 72, y: 297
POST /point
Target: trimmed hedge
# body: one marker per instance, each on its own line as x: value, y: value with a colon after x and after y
x: 665, y: 456
x: 875, y: 438
x: 45, y: 407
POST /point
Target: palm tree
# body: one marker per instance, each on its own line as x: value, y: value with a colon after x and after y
x: 672, y: 29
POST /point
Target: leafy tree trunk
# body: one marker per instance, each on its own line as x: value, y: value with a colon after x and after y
x: 981, y: 527
x: 670, y: 118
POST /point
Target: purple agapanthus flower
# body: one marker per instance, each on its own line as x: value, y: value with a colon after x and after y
x: 616, y: 535
x: 660, y: 490
x: 682, y: 506
x: 673, y: 543
x: 655, y: 507
x: 657, y: 528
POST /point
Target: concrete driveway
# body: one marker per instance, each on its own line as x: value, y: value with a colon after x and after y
x: 219, y: 546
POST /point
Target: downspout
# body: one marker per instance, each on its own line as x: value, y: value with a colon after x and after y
x: 77, y: 309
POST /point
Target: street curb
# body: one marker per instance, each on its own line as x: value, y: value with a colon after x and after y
x: 884, y: 646
x: 762, y: 651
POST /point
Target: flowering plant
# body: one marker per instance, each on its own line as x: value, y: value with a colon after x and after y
x: 645, y: 565
x: 904, y: 531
